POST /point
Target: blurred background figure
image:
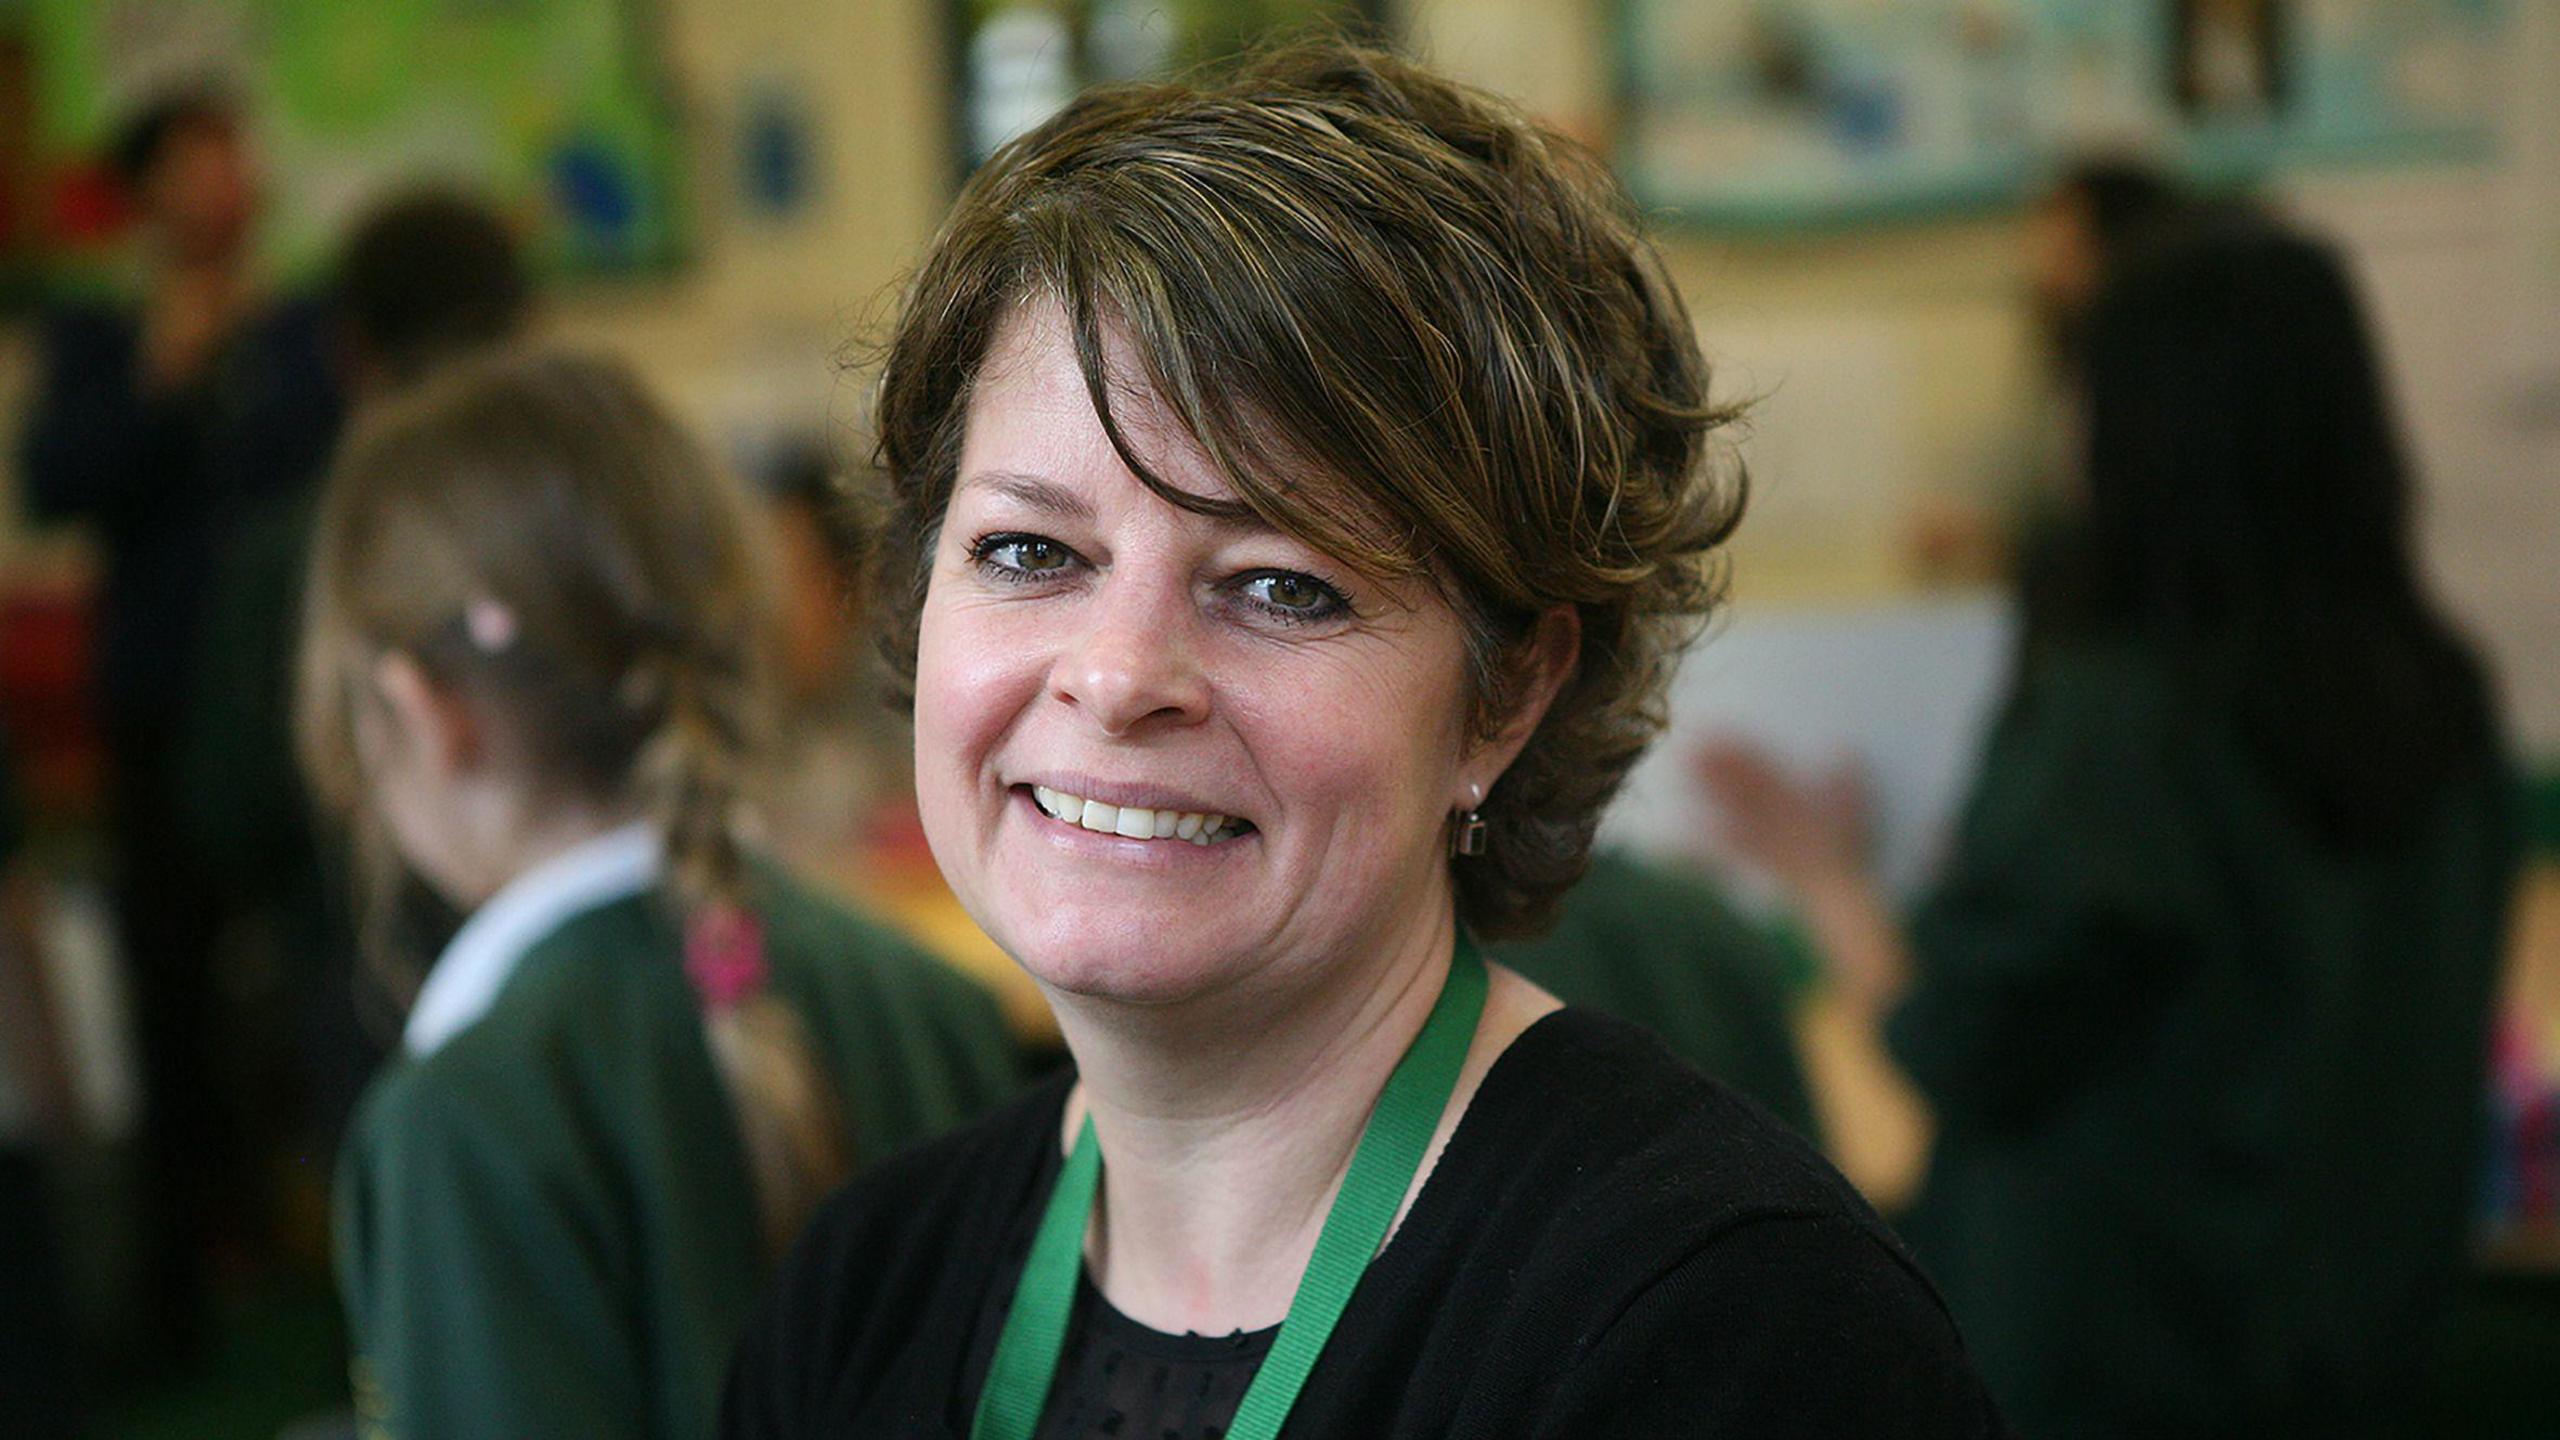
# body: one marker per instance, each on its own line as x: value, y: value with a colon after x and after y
x: 164, y: 424
x: 844, y: 756
x: 835, y: 796
x: 2201, y: 998
x: 535, y: 677
x: 38, y: 1112
x: 2098, y: 212
x: 425, y: 279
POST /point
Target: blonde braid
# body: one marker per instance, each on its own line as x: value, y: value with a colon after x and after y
x: 791, y: 1122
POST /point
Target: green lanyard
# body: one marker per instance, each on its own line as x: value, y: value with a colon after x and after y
x: 1382, y: 1170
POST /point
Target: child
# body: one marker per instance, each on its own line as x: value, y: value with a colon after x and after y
x: 2200, y: 1000
x: 533, y: 670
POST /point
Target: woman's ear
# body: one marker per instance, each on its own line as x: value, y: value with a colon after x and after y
x: 429, y: 722
x: 1540, y: 668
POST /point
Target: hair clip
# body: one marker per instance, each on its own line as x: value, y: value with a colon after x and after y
x: 491, y: 626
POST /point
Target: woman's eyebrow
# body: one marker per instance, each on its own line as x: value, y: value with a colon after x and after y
x: 1048, y: 497
x: 1031, y: 491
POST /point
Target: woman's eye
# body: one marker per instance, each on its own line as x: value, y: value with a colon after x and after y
x: 1021, y: 555
x: 1293, y: 596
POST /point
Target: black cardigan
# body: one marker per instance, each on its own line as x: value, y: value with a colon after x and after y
x: 1610, y: 1245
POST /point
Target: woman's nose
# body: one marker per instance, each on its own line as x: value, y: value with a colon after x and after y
x: 1133, y: 664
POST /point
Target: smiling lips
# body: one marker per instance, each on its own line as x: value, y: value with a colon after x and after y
x: 1136, y: 822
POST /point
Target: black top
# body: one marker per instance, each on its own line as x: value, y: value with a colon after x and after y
x: 1118, y: 1377
x: 1610, y: 1245
x: 165, y: 477
x: 1664, y: 948
x: 546, y: 1226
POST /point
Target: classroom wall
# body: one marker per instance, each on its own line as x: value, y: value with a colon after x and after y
x: 1902, y: 365
x: 753, y: 329
x: 1888, y: 365
x: 1891, y: 365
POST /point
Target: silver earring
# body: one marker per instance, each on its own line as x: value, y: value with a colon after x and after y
x: 1466, y: 827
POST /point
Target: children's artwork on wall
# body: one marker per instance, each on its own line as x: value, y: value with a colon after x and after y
x: 1782, y: 113
x: 777, y: 160
x: 556, y: 110
x: 2226, y: 58
x: 1018, y: 62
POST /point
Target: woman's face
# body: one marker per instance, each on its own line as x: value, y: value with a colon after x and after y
x: 1084, y: 641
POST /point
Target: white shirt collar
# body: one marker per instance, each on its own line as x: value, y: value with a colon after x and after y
x: 477, y: 962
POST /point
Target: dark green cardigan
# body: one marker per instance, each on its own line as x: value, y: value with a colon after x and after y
x: 2208, y: 1089
x: 545, y: 1226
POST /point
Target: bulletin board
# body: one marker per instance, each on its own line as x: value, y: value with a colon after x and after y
x: 1793, y: 113
x: 556, y: 111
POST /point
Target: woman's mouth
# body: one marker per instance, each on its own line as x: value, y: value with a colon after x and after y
x: 1135, y: 822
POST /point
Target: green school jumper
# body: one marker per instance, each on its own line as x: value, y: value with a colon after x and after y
x: 544, y: 1222
x: 2208, y: 1089
x: 1662, y: 949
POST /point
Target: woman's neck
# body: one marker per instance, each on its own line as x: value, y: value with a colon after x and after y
x: 1228, y: 1126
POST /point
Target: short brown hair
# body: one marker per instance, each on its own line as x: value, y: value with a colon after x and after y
x: 429, y: 277
x: 1352, y: 279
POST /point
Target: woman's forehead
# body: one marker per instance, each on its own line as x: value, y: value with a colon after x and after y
x: 1032, y: 436
x: 1031, y: 365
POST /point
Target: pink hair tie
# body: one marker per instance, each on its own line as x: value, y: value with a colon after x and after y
x: 724, y: 956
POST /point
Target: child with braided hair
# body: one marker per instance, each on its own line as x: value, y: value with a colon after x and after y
x: 533, y: 677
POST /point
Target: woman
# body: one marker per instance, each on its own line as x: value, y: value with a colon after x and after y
x: 1299, y: 500
x: 533, y: 670
x: 2200, y: 1001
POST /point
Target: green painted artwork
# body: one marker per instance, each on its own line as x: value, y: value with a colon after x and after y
x: 553, y: 110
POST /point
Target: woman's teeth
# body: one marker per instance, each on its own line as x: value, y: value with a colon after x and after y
x: 1135, y: 822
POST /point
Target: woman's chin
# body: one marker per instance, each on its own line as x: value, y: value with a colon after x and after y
x: 1128, y: 965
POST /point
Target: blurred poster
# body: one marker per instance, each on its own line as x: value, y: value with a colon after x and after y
x: 1789, y: 113
x: 2228, y: 57
x: 1021, y: 61
x: 1905, y: 692
x: 556, y: 110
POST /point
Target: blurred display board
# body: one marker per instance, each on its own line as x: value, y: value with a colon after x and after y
x: 1764, y: 114
x: 2533, y: 134
x: 555, y: 110
x: 1018, y: 62
x: 1904, y: 692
